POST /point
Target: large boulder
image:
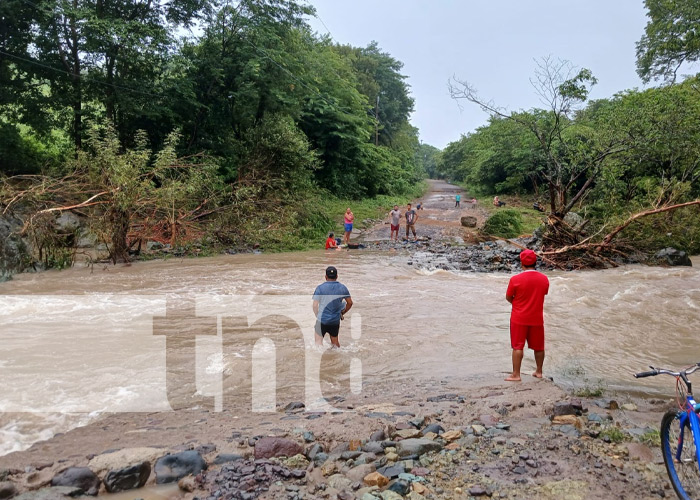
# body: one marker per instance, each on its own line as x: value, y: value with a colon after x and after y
x: 14, y: 254
x: 673, y: 257
x: 78, y: 477
x: 468, y: 221
x: 172, y: 468
x: 574, y: 220
x: 269, y: 447
x: 128, y: 478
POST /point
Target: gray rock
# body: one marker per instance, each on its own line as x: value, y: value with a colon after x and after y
x: 14, y: 252
x: 320, y: 458
x: 350, y: 455
x: 314, y: 450
x: 172, y: 468
x: 478, y: 491
x: 574, y: 220
x: 373, y: 447
x: 339, y: 482
x: 436, y: 428
x: 417, y: 447
x: 377, y: 436
x: 391, y: 471
x: 673, y: 257
x: 67, y: 222
x: 7, y: 490
x: 127, y: 478
x: 358, y: 473
x: 400, y: 486
x: 564, y: 408
x: 78, y: 477
x: 468, y: 221
x: 56, y: 493
x: 390, y: 495
x: 225, y: 458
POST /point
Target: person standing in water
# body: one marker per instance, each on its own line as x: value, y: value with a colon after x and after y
x: 349, y: 219
x: 526, y: 293
x: 395, y: 220
x: 331, y: 302
x: 458, y: 198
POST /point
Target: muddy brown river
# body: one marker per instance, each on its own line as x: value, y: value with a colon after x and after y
x: 230, y: 330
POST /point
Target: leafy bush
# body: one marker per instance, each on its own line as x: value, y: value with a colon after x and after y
x: 505, y: 223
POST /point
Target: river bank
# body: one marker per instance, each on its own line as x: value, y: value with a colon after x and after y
x: 432, y: 345
x: 431, y: 439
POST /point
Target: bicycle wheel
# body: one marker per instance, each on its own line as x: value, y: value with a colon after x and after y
x: 684, y: 473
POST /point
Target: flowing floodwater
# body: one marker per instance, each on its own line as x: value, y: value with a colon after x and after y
x: 77, y: 343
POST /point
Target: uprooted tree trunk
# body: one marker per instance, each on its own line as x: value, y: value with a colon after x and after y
x: 585, y: 253
x: 119, y: 223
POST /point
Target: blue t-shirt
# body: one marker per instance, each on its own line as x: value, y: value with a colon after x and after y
x: 458, y: 197
x: 330, y: 297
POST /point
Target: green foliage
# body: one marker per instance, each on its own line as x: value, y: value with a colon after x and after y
x: 671, y: 38
x: 614, y: 434
x: 651, y: 438
x: 502, y: 157
x: 506, y: 223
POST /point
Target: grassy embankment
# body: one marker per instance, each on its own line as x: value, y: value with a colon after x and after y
x: 531, y: 218
x: 329, y: 217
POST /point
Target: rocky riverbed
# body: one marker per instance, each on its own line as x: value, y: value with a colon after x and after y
x: 435, y: 440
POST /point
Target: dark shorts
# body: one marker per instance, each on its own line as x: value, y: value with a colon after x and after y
x: 348, y: 227
x: 533, y: 334
x: 395, y: 227
x: 322, y: 329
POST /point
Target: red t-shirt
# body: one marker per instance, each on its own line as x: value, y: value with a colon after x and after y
x: 331, y: 243
x: 528, y: 290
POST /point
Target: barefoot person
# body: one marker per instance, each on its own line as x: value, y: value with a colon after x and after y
x: 526, y: 293
x: 331, y: 302
x: 411, y: 218
x: 349, y: 219
x: 395, y: 216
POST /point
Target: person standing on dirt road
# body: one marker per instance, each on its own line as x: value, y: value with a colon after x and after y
x: 331, y: 302
x: 348, y: 221
x: 526, y: 293
x: 411, y: 219
x: 395, y: 220
x: 458, y: 198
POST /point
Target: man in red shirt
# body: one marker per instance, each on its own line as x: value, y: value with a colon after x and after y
x: 526, y: 292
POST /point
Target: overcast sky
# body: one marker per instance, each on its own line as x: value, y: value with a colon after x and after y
x: 490, y: 43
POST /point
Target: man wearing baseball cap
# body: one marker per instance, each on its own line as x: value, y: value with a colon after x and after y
x: 526, y: 293
x: 331, y: 302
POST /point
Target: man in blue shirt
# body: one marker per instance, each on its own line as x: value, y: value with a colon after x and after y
x: 331, y: 302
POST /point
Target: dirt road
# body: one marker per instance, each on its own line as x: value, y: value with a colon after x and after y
x: 439, y: 218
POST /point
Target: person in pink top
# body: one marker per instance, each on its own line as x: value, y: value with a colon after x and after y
x: 349, y: 219
x: 526, y: 293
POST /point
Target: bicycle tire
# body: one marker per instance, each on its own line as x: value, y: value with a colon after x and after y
x: 684, y: 474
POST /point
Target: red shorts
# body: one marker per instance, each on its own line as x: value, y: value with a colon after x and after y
x: 534, y: 334
x: 394, y: 227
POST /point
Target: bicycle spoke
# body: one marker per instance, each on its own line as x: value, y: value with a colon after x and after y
x: 686, y: 467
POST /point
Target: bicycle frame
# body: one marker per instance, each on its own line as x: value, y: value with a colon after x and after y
x: 691, y: 418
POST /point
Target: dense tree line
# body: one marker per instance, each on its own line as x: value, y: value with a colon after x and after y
x: 616, y: 160
x: 243, y: 91
x: 254, y: 67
